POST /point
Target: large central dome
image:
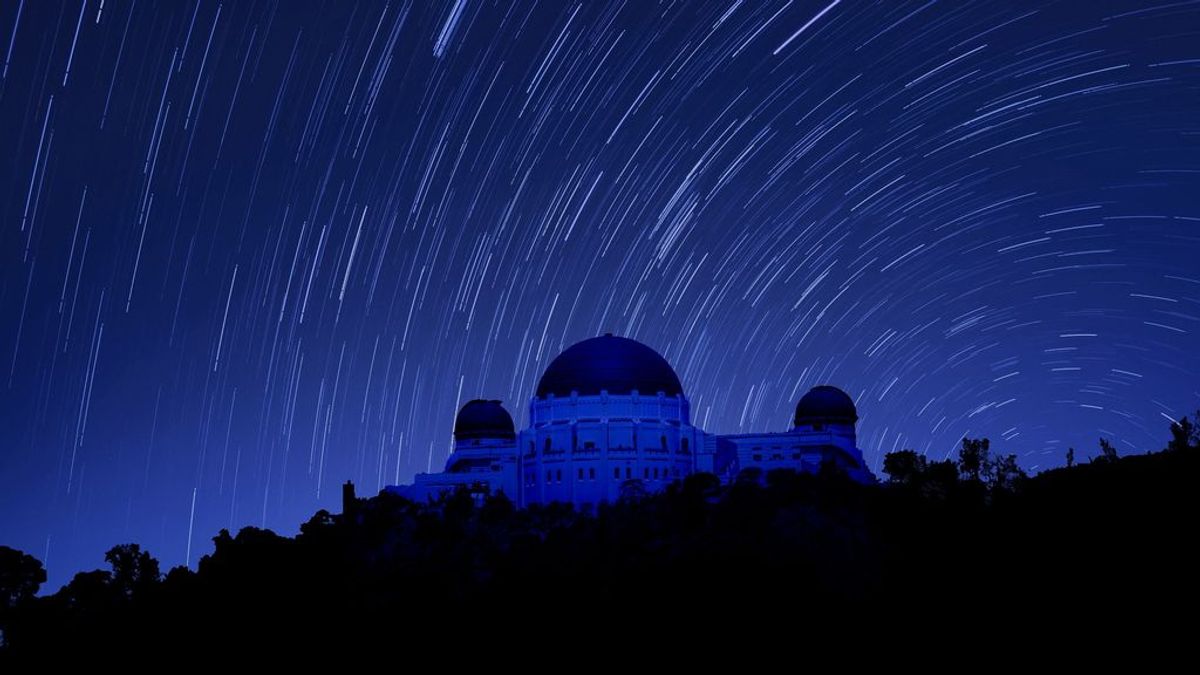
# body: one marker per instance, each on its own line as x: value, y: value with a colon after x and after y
x: 614, y: 364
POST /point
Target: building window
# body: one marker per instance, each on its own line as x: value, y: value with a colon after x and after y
x: 558, y: 475
x: 645, y: 472
x: 591, y: 474
x: 758, y: 458
x: 663, y: 441
x: 656, y: 474
x: 683, y: 445
x: 589, y: 445
x: 549, y: 476
x: 581, y: 473
x: 547, y: 446
x: 628, y: 472
x: 532, y: 448
x: 617, y: 472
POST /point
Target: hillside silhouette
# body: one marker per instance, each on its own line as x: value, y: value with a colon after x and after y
x: 971, y: 541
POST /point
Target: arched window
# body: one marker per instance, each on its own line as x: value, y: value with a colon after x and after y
x: 547, y: 447
x: 663, y: 440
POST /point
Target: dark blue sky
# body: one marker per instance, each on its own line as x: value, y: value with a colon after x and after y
x: 252, y: 249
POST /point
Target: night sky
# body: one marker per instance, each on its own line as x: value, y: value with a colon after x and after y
x: 249, y: 250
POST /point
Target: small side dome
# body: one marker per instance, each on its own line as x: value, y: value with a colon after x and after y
x: 481, y: 418
x: 825, y: 405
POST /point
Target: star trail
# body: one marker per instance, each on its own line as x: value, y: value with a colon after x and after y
x: 250, y: 250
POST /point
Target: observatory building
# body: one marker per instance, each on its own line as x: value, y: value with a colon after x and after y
x: 610, y: 418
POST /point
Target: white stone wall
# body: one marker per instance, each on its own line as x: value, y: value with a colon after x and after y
x: 582, y: 448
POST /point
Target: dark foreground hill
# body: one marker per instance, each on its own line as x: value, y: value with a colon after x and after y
x: 969, y: 546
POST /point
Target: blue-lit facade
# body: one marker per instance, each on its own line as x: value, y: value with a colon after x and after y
x: 610, y: 418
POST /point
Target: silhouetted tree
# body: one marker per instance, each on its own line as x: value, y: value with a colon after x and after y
x: 831, y: 470
x: 458, y: 504
x: 905, y: 467
x: 320, y: 520
x: 88, y: 591
x: 702, y: 484
x: 1007, y: 474
x: 750, y: 474
x: 783, y: 480
x: 1183, y: 435
x: 179, y: 576
x: 134, y: 571
x: 974, y: 459
x: 940, y: 480
x: 21, y: 575
x: 1107, y: 452
x: 1070, y: 457
x: 497, y: 508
